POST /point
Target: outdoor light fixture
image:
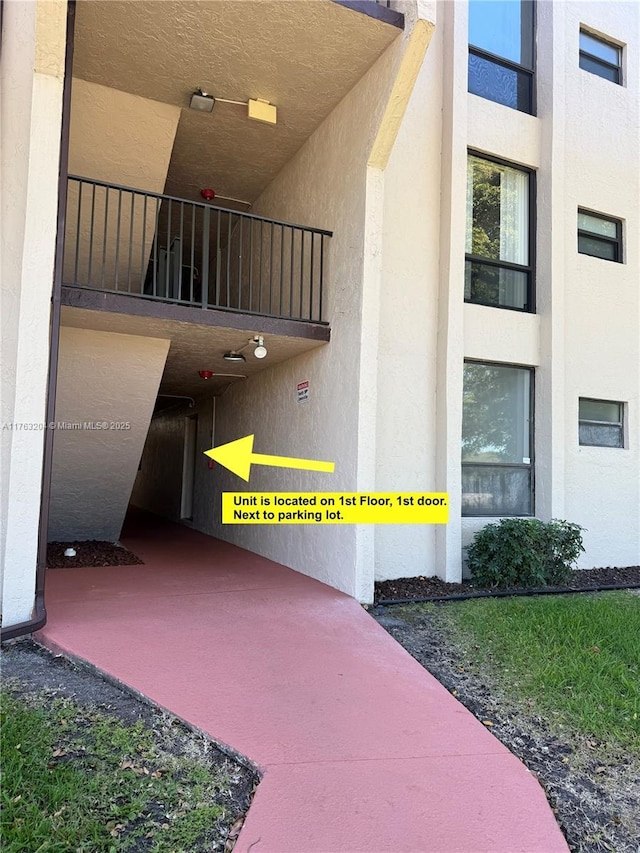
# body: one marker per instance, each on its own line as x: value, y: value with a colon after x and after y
x: 201, y: 101
x: 258, y: 109
x: 205, y: 374
x: 260, y: 351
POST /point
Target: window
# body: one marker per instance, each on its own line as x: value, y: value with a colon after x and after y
x: 600, y: 57
x: 501, y: 52
x: 600, y: 423
x: 498, y: 269
x: 497, y: 422
x: 599, y: 236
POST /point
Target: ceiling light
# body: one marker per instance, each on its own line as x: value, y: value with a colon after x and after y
x: 233, y: 355
x: 260, y: 351
x: 201, y: 101
x: 205, y: 374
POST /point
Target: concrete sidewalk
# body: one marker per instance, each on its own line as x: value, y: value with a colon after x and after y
x: 361, y: 748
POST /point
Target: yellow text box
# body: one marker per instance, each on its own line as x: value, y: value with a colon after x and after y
x: 335, y: 508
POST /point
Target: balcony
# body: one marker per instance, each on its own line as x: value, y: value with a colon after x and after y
x: 164, y: 249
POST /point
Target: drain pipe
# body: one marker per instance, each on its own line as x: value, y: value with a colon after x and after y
x: 38, y: 620
x: 504, y: 593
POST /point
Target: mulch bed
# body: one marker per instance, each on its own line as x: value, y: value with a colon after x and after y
x: 89, y: 554
x: 424, y: 587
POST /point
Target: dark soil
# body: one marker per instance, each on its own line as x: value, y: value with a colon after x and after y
x: 89, y: 554
x: 424, y: 587
x: 31, y: 671
x: 594, y: 793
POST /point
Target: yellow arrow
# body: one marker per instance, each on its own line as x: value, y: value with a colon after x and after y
x: 238, y: 457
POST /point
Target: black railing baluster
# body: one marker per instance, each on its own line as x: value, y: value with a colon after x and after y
x: 130, y: 242
x: 261, y: 264
x: 301, y: 271
x: 206, y: 229
x: 78, y: 233
x: 228, y: 276
x: 218, y: 259
x: 118, y: 222
x: 93, y: 211
x: 193, y: 248
x: 104, y: 236
x: 321, y: 277
x: 240, y: 224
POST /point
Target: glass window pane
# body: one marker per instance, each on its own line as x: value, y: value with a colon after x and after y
x: 488, y: 490
x: 597, y: 248
x: 600, y: 410
x: 596, y: 67
x: 497, y: 211
x: 494, y: 82
x: 597, y: 225
x: 497, y: 286
x: 600, y: 435
x: 495, y: 414
x: 503, y: 27
x: 600, y: 49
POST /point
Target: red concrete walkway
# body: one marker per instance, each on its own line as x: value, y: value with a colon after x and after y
x: 361, y: 749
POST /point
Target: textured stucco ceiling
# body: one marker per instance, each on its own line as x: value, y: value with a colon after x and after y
x: 193, y: 348
x: 301, y: 55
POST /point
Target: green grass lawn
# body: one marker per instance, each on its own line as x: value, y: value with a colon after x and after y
x: 75, y: 779
x: 576, y: 658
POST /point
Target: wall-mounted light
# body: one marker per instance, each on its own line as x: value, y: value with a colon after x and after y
x: 258, y: 109
x: 201, y: 101
x: 260, y: 350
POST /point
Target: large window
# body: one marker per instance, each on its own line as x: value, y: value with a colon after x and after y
x: 498, y: 268
x: 600, y: 57
x: 600, y: 423
x: 599, y: 236
x: 501, y: 52
x: 497, y: 423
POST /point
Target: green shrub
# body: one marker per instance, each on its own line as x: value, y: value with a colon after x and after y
x: 524, y: 552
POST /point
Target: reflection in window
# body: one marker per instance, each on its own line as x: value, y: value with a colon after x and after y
x: 501, y: 52
x: 496, y: 440
x: 498, y: 270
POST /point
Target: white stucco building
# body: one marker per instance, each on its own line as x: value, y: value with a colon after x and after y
x: 439, y: 235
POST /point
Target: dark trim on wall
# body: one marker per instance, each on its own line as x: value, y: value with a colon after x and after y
x: 121, y: 303
x: 39, y: 617
x: 374, y: 10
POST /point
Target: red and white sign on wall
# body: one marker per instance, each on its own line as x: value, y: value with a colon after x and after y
x: 302, y: 392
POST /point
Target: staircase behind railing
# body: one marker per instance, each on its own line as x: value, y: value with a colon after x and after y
x: 157, y: 247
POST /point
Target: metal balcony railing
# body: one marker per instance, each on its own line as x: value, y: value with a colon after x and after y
x: 157, y: 247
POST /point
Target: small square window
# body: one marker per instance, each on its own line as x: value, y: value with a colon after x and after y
x: 600, y: 57
x: 599, y: 236
x: 600, y: 423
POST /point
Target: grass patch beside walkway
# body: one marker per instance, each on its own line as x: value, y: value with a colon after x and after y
x: 77, y: 779
x: 575, y: 657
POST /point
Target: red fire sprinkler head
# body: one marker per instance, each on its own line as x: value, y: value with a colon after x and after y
x: 208, y: 194
x: 205, y: 374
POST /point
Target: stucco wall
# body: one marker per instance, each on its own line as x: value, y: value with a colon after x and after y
x: 325, y: 185
x: 407, y: 341
x: 103, y: 378
x: 31, y: 82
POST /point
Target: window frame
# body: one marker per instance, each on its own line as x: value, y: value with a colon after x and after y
x: 597, y: 60
x: 588, y: 421
x: 616, y: 241
x: 530, y: 268
x: 530, y: 466
x: 495, y: 58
